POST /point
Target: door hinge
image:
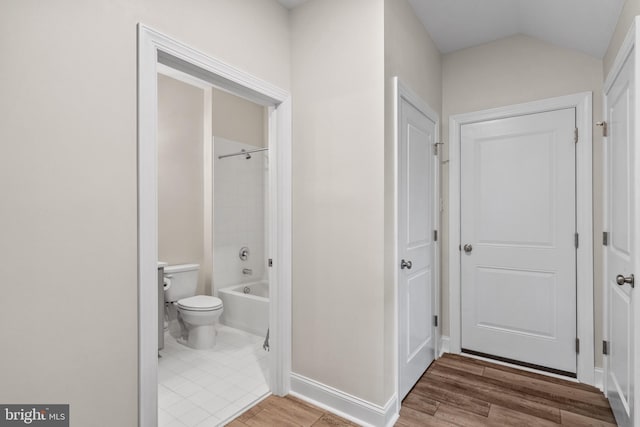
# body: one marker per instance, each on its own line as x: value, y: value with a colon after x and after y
x: 605, y: 238
x: 577, y: 240
x: 435, y: 235
x: 435, y: 148
x: 575, y: 135
x: 435, y: 321
x: 577, y: 345
x: 270, y: 262
x: 604, y: 127
x: 605, y: 347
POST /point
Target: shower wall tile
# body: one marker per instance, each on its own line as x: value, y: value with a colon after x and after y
x: 239, y: 207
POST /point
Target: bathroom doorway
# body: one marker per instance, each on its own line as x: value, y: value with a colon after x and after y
x: 241, y: 192
x: 213, y: 186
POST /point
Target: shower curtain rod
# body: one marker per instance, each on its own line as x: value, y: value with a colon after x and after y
x: 242, y: 153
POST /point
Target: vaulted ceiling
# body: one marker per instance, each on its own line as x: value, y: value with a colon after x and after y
x: 584, y: 25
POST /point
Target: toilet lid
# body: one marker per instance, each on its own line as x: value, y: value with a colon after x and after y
x: 200, y: 303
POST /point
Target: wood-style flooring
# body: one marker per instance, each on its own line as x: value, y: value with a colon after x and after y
x: 461, y: 391
x: 288, y: 412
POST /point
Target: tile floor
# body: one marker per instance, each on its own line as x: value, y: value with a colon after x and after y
x: 206, y: 388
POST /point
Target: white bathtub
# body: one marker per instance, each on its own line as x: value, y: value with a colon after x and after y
x: 246, y: 311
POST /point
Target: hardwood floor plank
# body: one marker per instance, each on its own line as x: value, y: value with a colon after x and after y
x: 295, y: 409
x: 435, y: 389
x: 459, y: 417
x: 461, y: 365
x: 250, y: 412
x: 268, y: 417
x: 500, y: 416
x: 540, y: 397
x: 484, y: 363
x: 474, y: 386
x: 330, y: 420
x: 412, y: 418
x: 420, y: 403
x: 561, y: 391
x: 576, y: 420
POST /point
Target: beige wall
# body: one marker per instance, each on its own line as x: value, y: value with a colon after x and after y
x: 410, y: 54
x: 68, y: 185
x: 338, y: 195
x: 237, y: 119
x: 629, y: 11
x: 180, y: 174
x: 514, y: 70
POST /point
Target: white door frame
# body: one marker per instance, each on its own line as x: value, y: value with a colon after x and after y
x: 155, y: 48
x: 628, y: 47
x: 582, y: 102
x: 402, y: 91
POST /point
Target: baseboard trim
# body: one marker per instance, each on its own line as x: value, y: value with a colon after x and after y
x: 598, y: 378
x: 343, y: 404
x: 444, y: 345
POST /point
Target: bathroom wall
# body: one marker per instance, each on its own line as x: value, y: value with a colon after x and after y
x: 180, y: 174
x: 237, y: 119
x: 239, y: 213
x: 239, y: 196
x: 68, y: 179
x: 514, y: 70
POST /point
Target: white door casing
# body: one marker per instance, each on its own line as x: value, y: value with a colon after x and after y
x: 518, y: 276
x: 621, y: 225
x: 584, y: 220
x: 417, y: 219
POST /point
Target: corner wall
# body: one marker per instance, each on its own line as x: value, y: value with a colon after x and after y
x: 180, y: 174
x: 69, y: 187
x: 338, y: 196
x: 629, y: 11
x: 515, y: 70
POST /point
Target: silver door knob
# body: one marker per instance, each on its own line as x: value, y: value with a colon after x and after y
x: 467, y: 248
x: 406, y: 264
x: 621, y: 280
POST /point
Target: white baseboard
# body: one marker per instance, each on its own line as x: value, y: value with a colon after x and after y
x: 343, y: 404
x: 444, y: 345
x: 598, y: 378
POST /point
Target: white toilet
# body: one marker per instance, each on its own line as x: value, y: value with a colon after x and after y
x: 198, y: 314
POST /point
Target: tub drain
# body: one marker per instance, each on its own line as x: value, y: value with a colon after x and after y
x: 246, y: 290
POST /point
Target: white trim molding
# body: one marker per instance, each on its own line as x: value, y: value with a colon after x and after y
x: 343, y: 404
x: 155, y: 51
x: 582, y: 102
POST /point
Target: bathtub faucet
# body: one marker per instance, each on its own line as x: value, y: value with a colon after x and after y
x: 247, y: 271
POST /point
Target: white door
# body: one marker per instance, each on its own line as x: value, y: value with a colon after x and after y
x: 518, y: 225
x: 620, y: 251
x: 417, y: 166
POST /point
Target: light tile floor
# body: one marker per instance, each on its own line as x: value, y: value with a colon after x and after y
x: 206, y: 388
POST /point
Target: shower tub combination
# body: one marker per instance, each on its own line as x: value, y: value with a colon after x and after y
x: 246, y: 307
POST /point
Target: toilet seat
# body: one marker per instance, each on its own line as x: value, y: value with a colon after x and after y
x: 200, y: 303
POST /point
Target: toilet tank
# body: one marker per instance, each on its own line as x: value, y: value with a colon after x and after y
x: 180, y: 281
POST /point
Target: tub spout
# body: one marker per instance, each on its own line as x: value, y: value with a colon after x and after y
x: 247, y: 271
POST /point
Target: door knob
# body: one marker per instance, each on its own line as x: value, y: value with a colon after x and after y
x: 621, y: 280
x: 467, y: 248
x: 406, y: 264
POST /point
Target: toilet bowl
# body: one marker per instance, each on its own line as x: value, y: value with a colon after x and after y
x: 198, y: 314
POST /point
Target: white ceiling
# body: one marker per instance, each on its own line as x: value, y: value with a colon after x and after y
x: 584, y: 25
